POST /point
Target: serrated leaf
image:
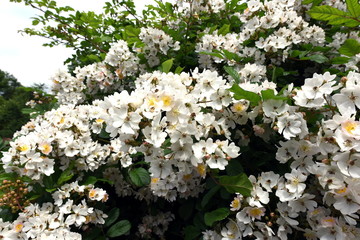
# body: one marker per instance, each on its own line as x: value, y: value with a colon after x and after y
x: 208, y: 196
x: 8, y: 176
x: 216, y: 215
x: 35, y: 22
x: 350, y: 48
x: 119, y: 228
x: 178, y: 70
x: 48, y: 182
x: 340, y: 60
x: 269, y: 94
x: 332, y: 15
x: 316, y: 58
x: 240, y: 93
x: 112, y: 217
x: 50, y: 190
x: 314, y: 2
x: 132, y: 31
x: 225, y: 29
x: 139, y: 176
x: 353, y: 7
x: 237, y: 184
x: 212, y: 54
x: 89, y: 180
x: 27, y: 110
x: 65, y: 176
x: 233, y: 73
x: 166, y: 66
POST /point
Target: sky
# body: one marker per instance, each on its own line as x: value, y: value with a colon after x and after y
x: 24, y: 56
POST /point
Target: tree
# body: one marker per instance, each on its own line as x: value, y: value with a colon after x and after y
x: 8, y: 84
x: 13, y: 100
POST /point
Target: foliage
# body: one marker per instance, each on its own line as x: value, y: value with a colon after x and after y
x: 13, y: 99
x: 197, y: 120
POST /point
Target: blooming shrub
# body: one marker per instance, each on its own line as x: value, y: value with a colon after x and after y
x: 240, y: 121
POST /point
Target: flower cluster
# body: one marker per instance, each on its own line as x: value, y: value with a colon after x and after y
x: 155, y: 225
x: 54, y: 221
x: 195, y: 7
x: 156, y: 41
x: 104, y: 77
x: 324, y: 163
x: 68, y: 89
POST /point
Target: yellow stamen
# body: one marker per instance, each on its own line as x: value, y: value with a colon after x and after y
x: 23, y: 148
x: 255, y: 212
x: 350, y: 126
x: 152, y: 101
x: 154, y: 180
x: 92, y: 193
x: 19, y: 227
x: 201, y: 169
x: 45, y: 148
x: 99, y: 120
x: 238, y: 107
x: 167, y: 100
x: 187, y: 177
x: 235, y: 203
x: 341, y: 190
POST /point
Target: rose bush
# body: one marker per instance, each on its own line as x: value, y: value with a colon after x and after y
x: 208, y: 119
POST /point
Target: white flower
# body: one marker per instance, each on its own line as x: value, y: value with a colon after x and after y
x: 292, y: 125
x: 296, y: 181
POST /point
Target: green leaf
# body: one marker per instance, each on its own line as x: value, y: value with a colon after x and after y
x: 50, y: 190
x: 213, y: 54
x: 234, y: 168
x: 225, y: 29
x: 240, y: 93
x: 48, y: 182
x: 34, y: 197
x: 191, y: 232
x: 216, y: 215
x: 332, y: 15
x: 8, y: 176
x: 140, y: 177
x: 65, y: 176
x: 353, y: 7
x: 104, y: 134
x: 27, y: 110
x: 316, y: 58
x: 233, y: 73
x: 350, y: 48
x: 119, y: 228
x: 166, y: 66
x: 237, y: 184
x: 314, y: 2
x: 112, y: 217
x: 35, y: 22
x: 178, y: 70
x: 208, y: 196
x: 132, y: 31
x: 269, y: 94
x: 340, y: 60
x: 89, y: 180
